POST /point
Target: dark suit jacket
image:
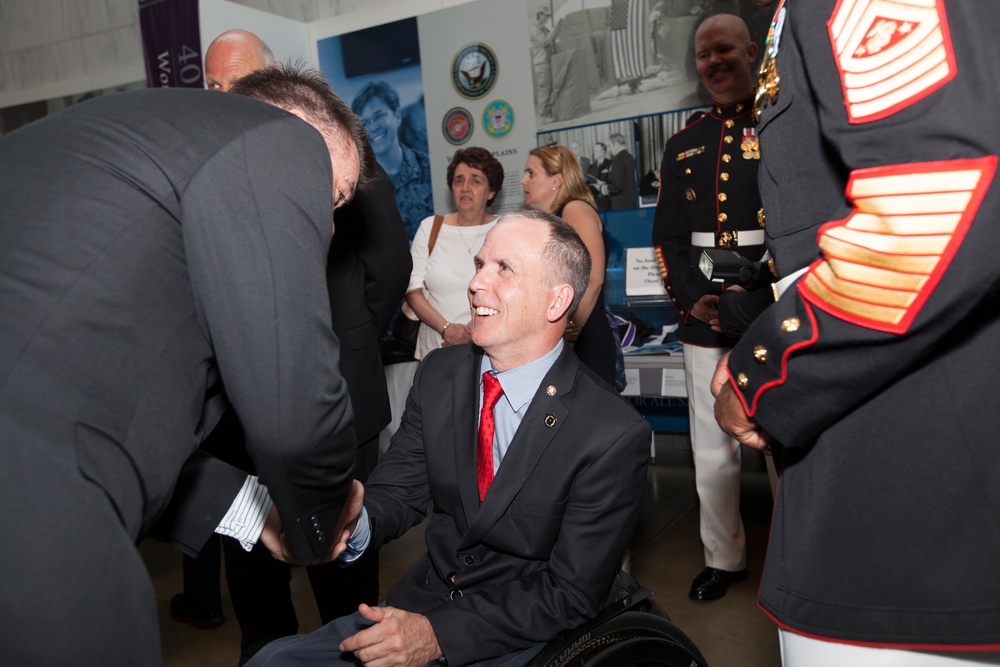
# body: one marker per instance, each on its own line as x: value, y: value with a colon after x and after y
x: 367, y: 272
x: 621, y: 181
x: 155, y: 246
x: 539, y: 555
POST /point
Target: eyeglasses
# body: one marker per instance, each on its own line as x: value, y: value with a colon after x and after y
x: 376, y: 118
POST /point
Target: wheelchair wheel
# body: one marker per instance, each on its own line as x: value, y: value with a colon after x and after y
x: 631, y: 639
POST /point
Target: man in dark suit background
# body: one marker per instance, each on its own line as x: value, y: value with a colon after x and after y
x: 621, y: 175
x: 513, y: 560
x: 368, y: 269
x: 162, y: 253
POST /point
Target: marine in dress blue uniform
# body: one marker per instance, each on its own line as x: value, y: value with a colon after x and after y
x: 709, y: 199
x: 876, y: 369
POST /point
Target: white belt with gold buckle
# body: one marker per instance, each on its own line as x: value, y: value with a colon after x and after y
x: 732, y: 239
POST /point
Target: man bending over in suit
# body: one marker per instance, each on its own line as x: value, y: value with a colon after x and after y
x: 163, y: 255
x: 528, y: 530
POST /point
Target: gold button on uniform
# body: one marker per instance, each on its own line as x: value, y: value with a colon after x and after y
x: 760, y: 354
x: 742, y: 381
x: 739, y: 108
x: 728, y: 139
x: 687, y: 171
x: 689, y: 194
x: 727, y: 157
x: 722, y: 196
x: 724, y: 176
x: 730, y: 122
x: 723, y: 217
x: 760, y: 218
x: 790, y: 325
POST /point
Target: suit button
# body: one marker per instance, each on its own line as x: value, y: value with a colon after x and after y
x: 455, y: 594
x: 723, y: 196
x: 724, y: 176
x: 469, y: 560
x: 723, y: 217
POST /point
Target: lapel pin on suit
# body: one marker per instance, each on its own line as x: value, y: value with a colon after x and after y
x: 550, y: 390
x: 550, y: 420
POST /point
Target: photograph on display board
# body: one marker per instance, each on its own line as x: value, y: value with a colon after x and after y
x: 600, y: 60
x: 652, y: 133
x: 607, y: 157
x: 377, y: 71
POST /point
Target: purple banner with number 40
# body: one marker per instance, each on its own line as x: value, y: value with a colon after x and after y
x: 171, y: 41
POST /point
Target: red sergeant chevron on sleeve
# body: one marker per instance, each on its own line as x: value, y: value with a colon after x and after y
x: 890, y: 54
x: 883, y: 261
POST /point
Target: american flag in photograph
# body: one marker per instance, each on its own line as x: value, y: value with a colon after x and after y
x: 627, y: 44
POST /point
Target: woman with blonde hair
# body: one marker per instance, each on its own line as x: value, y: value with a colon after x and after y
x: 553, y: 182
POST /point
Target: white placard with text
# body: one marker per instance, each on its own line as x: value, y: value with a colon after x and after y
x: 642, y: 273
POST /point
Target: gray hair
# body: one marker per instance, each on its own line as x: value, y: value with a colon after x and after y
x: 566, y: 257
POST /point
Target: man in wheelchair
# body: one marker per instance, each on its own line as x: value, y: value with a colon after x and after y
x: 533, y: 501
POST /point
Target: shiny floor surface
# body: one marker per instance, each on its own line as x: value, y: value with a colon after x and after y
x: 666, y: 554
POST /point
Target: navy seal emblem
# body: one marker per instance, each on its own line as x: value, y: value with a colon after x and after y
x: 474, y: 71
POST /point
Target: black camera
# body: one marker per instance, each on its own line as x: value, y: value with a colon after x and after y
x: 738, y: 308
x: 732, y: 267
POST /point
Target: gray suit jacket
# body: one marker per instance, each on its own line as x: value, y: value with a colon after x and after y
x: 160, y: 251
x: 540, y: 554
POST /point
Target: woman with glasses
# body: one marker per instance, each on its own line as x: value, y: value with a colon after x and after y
x: 377, y: 105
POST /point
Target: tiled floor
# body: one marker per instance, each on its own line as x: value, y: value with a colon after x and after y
x: 666, y: 553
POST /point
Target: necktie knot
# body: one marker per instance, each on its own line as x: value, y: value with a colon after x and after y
x: 492, y: 391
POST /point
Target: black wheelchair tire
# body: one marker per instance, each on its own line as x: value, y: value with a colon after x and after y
x: 631, y: 638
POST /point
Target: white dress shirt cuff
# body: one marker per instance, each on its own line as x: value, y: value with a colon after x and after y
x: 246, y: 516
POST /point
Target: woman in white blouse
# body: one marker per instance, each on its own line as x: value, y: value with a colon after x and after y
x: 439, y: 282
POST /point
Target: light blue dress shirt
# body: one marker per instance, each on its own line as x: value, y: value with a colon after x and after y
x: 519, y: 387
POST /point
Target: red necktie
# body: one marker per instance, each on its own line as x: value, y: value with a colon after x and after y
x: 492, y: 391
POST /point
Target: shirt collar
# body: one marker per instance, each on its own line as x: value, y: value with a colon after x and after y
x: 520, y: 384
x: 734, y: 110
